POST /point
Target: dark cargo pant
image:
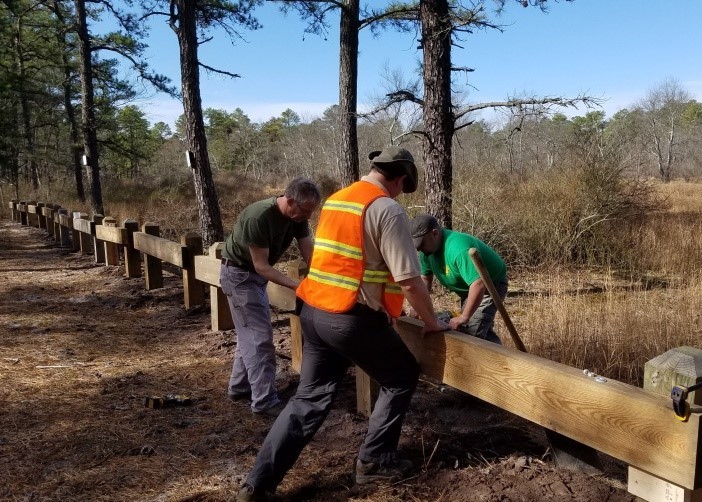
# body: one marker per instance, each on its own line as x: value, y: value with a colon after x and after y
x: 253, y: 369
x: 331, y: 342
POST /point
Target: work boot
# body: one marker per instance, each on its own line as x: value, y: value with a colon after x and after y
x: 240, y: 396
x: 273, y: 411
x: 248, y: 493
x: 368, y: 472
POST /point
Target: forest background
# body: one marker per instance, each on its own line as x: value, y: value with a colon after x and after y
x: 555, y: 194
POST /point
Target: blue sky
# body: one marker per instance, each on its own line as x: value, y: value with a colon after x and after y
x: 616, y: 50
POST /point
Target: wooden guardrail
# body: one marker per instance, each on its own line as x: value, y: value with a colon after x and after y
x: 634, y: 425
x: 626, y: 422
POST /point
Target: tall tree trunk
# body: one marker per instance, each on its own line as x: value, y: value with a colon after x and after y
x: 14, y: 149
x: 669, y: 157
x: 68, y: 105
x: 26, y: 112
x: 438, y: 114
x: 348, y: 90
x: 75, y: 145
x: 90, y: 143
x: 205, y: 192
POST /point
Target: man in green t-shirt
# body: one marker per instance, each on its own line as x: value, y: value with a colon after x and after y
x: 261, y: 235
x: 444, y: 255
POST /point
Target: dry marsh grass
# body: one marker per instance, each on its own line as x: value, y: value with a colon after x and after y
x: 682, y: 196
x: 611, y: 326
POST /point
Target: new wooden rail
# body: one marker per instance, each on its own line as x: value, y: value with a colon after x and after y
x: 626, y: 422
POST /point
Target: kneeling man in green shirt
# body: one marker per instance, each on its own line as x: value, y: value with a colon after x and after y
x: 444, y: 255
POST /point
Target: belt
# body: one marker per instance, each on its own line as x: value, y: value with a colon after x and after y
x: 359, y: 309
x: 230, y: 263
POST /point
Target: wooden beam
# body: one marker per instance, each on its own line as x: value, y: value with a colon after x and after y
x: 367, y: 391
x: 32, y: 219
x: 280, y: 296
x: 48, y: 214
x: 110, y: 229
x: 108, y: 233
x: 654, y: 489
x: 41, y: 220
x: 149, y: 237
x: 132, y: 257
x: 296, y: 343
x: 626, y: 422
x: 82, y: 223
x: 220, y: 314
x: 98, y: 245
x: 24, y: 215
x: 163, y: 249
x: 193, y: 290
x: 207, y: 270
x: 65, y: 221
x: 14, y: 216
x: 82, y: 232
x: 680, y: 366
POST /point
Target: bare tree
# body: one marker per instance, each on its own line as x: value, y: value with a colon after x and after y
x: 664, y: 106
x: 442, y: 23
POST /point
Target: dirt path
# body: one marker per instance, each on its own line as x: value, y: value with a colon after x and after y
x: 81, y: 346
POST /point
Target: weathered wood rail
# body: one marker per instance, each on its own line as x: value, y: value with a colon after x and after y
x: 634, y: 425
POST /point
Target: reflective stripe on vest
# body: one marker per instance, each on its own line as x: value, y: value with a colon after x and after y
x: 338, y: 262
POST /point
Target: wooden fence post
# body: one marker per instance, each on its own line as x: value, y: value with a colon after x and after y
x: 23, y: 213
x: 98, y: 245
x: 220, y: 315
x: 14, y: 215
x: 57, y: 224
x: 193, y: 290
x: 64, y: 234
x: 49, y: 215
x: 366, y: 392
x: 296, y: 270
x: 153, y: 269
x: 86, y: 244
x: 32, y: 220
x: 132, y: 260
x: 111, y: 249
x: 681, y: 366
x: 41, y: 219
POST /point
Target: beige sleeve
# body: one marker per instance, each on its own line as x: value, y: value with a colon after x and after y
x: 387, y: 225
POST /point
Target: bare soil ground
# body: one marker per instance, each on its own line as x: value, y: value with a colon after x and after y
x: 81, y: 346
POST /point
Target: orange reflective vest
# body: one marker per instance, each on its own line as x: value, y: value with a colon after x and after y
x: 338, y: 265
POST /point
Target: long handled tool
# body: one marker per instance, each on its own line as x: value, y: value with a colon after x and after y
x: 480, y: 267
x: 569, y: 453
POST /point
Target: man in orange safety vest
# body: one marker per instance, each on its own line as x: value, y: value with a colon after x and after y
x: 364, y: 265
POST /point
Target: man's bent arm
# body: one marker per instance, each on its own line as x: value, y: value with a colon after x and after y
x: 428, y: 281
x: 476, y: 291
x: 306, y: 246
x: 260, y: 262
